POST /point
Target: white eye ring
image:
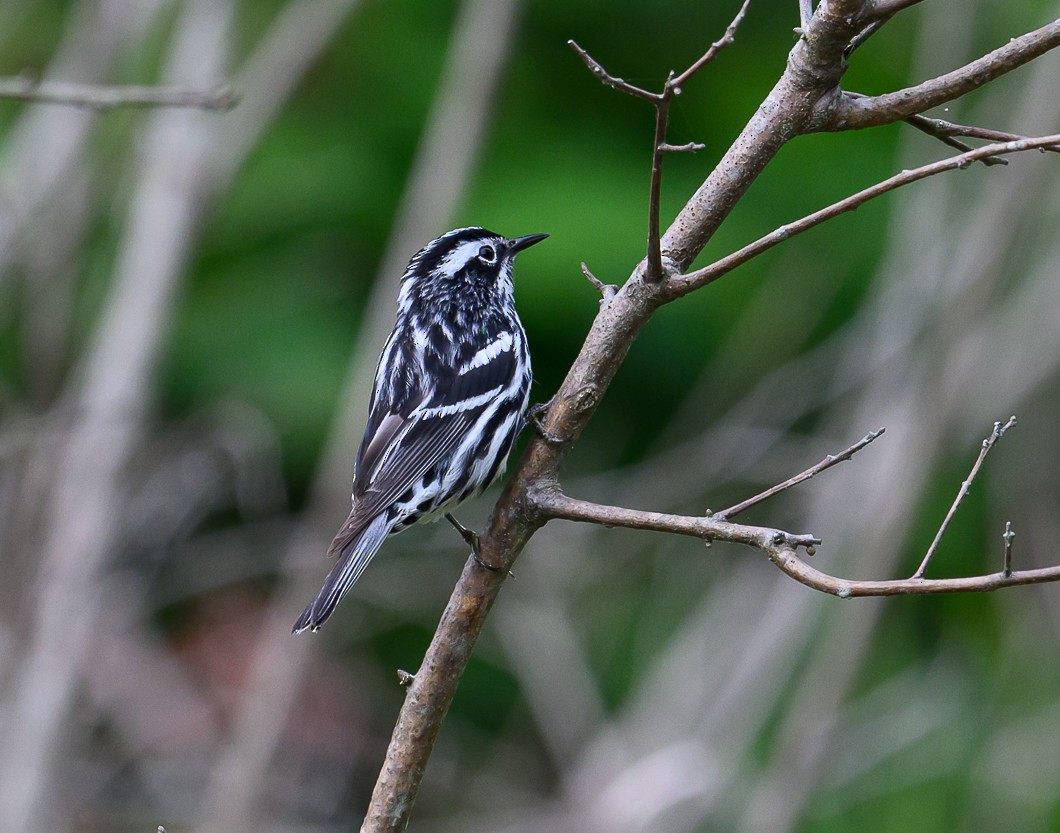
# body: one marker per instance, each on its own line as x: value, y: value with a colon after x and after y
x: 487, y: 254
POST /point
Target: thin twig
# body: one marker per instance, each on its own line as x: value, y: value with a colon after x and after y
x: 863, y: 36
x: 607, y: 290
x: 662, y: 117
x: 946, y: 131
x: 725, y: 40
x: 612, y: 81
x: 941, y: 127
x: 554, y: 504
x: 988, y: 443
x: 826, y: 463
x: 103, y: 97
x: 688, y: 147
x: 1008, y: 535
x: 683, y: 284
x: 925, y: 125
x: 661, y: 101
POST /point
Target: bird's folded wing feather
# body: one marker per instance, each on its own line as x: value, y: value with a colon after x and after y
x: 404, y: 448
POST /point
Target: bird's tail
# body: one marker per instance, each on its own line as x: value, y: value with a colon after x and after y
x: 355, y: 553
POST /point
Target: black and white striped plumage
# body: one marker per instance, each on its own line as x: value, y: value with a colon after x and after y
x: 450, y: 393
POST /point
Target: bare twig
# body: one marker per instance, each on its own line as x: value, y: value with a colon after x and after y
x: 1007, y: 536
x: 856, y: 112
x: 688, y: 147
x: 671, y: 89
x: 803, y: 573
x: 612, y: 81
x: 607, y: 290
x: 683, y: 284
x: 105, y: 97
x: 988, y: 443
x: 947, y: 131
x: 780, y: 547
x: 826, y: 463
x: 554, y: 504
x: 654, y: 272
x: 929, y: 126
x: 863, y: 36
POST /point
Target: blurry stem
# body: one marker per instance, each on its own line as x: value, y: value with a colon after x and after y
x: 962, y: 493
x: 220, y: 97
x: 109, y: 394
x: 662, y: 116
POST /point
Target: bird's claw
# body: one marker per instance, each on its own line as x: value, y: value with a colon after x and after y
x: 472, y: 540
x: 533, y: 416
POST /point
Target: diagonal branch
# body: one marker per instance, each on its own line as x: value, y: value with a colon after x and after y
x: 683, y: 284
x: 856, y: 112
x: 824, y: 465
x: 104, y: 97
x: 962, y: 493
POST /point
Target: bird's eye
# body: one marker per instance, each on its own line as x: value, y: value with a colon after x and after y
x: 487, y: 254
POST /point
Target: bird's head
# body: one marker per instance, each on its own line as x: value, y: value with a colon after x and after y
x: 464, y: 267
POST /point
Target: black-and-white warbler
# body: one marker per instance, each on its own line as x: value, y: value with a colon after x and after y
x: 449, y: 399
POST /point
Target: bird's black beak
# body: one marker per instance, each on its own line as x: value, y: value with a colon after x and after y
x: 520, y: 243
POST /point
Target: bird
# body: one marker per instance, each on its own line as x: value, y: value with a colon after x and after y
x: 450, y: 397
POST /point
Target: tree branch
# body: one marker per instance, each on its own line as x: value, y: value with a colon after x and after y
x: 102, y: 97
x: 856, y: 112
x: 780, y: 547
x: 683, y: 284
x: 552, y: 503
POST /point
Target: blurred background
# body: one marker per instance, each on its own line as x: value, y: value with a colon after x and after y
x: 191, y: 306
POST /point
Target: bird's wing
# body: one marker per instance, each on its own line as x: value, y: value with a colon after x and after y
x: 403, y: 448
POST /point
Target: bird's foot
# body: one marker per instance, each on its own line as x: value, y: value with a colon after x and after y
x: 533, y: 416
x: 472, y: 540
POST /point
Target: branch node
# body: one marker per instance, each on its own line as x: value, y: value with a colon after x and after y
x: 607, y: 290
x: 1007, y: 536
x: 405, y: 679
